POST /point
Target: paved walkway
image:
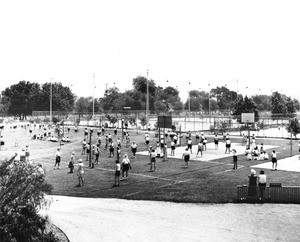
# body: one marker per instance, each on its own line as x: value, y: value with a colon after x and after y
x: 90, y: 219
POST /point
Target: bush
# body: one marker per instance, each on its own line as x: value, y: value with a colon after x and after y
x: 22, y: 189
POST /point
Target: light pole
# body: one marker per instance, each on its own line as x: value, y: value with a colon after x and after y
x: 93, y: 97
x: 51, y: 100
x: 189, y: 100
x: 209, y: 102
x: 147, y: 98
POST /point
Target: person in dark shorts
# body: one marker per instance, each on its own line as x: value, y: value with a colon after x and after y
x: 186, y: 157
x: 235, y: 159
x: 125, y: 166
x: 216, y: 141
x: 133, y: 148
x: 227, y: 145
x: 153, y: 160
x: 274, y: 160
x: 57, y: 158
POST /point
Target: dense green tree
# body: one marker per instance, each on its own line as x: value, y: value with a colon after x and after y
x: 263, y: 102
x: 62, y: 97
x: 278, y: 104
x: 22, y: 189
x: 297, y: 104
x: 245, y: 105
x: 293, y: 126
x: 22, y: 98
x: 224, y: 97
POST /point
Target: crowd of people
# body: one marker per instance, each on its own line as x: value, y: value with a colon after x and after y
x: 111, y: 145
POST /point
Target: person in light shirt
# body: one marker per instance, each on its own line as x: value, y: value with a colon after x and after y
x: 125, y: 166
x: 262, y: 182
x: 80, y: 172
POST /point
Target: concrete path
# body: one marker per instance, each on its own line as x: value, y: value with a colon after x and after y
x: 90, y: 219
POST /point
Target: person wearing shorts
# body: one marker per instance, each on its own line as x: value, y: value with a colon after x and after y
x: 274, y: 160
x: 228, y: 145
x: 186, y: 157
x: 235, y: 159
x: 57, y: 158
x: 153, y: 160
x: 200, y: 149
x: 216, y: 141
x: 133, y: 148
x: 172, y: 148
x: 125, y: 166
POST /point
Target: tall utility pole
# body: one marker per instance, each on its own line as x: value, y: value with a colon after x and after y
x: 189, y: 100
x: 209, y: 101
x: 51, y: 99
x: 93, y: 97
x: 147, y: 98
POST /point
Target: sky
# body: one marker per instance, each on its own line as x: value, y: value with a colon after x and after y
x: 253, y: 47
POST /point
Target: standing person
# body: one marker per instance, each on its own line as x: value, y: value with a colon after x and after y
x: 153, y: 160
x: 197, y: 136
x: 133, y: 148
x: 83, y: 147
x: 162, y: 144
x: 189, y: 145
x: 72, y: 161
x: 158, y: 150
x: 252, y: 191
x: 127, y: 139
x: 262, y: 182
x: 99, y: 140
x: 106, y: 142
x: 200, y: 148
x: 118, y: 153
x: 172, y: 148
x: 111, y: 150
x: 109, y: 138
x: 125, y: 166
x: 186, y: 157
x: 117, y: 173
x: 175, y: 138
x: 57, y: 158
x: 147, y: 140
x: 27, y: 153
x: 88, y: 150
x: 102, y: 130
x: 98, y: 132
x: 80, y: 172
x: 85, y: 132
x: 119, y: 144
x: 115, y: 131
x: 274, y: 160
x: 204, y: 143
x: 216, y: 141
x: 235, y: 159
x: 227, y: 145
x: 97, y: 154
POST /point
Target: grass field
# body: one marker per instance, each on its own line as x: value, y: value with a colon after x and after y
x: 205, y: 180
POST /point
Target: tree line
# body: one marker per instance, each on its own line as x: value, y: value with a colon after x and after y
x: 24, y: 97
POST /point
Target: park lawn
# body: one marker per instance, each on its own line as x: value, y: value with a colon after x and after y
x: 209, y: 182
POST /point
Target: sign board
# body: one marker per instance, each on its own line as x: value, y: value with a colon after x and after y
x: 164, y: 122
x: 247, y: 118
